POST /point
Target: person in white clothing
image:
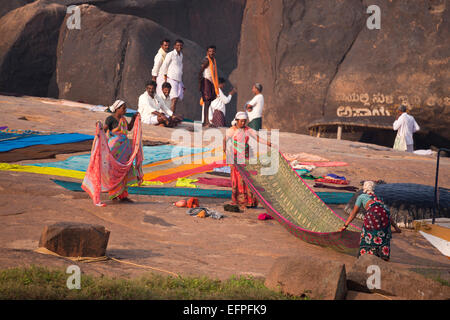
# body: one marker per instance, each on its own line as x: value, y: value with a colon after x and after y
x: 166, y: 103
x: 172, y: 70
x: 405, y: 125
x: 255, y: 107
x: 217, y: 110
x: 158, y: 61
x: 149, y: 106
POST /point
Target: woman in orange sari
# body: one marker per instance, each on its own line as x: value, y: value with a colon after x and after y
x: 239, y: 134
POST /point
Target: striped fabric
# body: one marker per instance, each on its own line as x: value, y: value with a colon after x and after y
x: 298, y: 208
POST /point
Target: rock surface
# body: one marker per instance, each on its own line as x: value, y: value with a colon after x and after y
x: 301, y: 276
x: 10, y: 5
x: 321, y: 62
x: 102, y: 62
x: 71, y: 239
x: 394, y: 281
x: 28, y: 47
x: 205, y: 22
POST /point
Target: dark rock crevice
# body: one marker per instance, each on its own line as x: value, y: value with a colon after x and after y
x: 338, y: 65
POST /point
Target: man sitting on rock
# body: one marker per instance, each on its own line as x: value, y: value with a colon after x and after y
x: 152, y: 109
x: 166, y: 103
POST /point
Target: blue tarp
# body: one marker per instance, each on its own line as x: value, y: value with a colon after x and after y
x: 151, y: 154
x: 27, y: 141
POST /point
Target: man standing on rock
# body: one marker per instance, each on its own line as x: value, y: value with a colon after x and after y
x: 405, y: 125
x: 159, y: 59
x: 208, y: 82
x: 172, y: 69
x: 254, y: 108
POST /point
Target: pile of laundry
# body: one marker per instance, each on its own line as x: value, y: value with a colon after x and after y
x: 195, y: 209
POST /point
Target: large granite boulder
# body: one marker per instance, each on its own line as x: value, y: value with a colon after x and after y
x: 313, y: 277
x: 111, y: 57
x: 29, y: 37
x: 321, y: 63
x: 205, y: 22
x: 72, y: 239
x: 394, y: 281
x: 10, y: 5
x: 293, y: 48
x: 405, y: 61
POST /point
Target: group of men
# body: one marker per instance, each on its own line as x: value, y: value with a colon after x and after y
x: 157, y: 105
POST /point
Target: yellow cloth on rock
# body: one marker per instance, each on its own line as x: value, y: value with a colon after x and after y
x: 185, y: 182
x: 43, y: 170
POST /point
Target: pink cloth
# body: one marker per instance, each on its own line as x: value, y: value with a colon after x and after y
x: 187, y: 173
x: 104, y: 171
x: 264, y: 216
x: 220, y: 182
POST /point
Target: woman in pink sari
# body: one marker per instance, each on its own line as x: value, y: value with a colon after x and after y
x: 239, y: 134
x: 117, y: 127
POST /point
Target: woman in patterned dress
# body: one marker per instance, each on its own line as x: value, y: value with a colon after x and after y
x: 376, y: 233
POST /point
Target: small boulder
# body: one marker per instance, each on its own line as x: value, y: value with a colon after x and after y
x: 394, y: 281
x: 311, y: 276
x: 72, y: 239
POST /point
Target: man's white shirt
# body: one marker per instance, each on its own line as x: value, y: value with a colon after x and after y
x: 147, y: 105
x: 173, y: 66
x: 406, y: 126
x: 165, y: 104
x: 258, y: 103
x: 158, y: 62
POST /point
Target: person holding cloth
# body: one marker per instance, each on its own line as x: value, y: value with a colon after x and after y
x: 254, y: 108
x: 376, y: 232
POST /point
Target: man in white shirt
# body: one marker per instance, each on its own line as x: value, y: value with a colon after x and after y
x: 172, y: 69
x: 254, y: 108
x: 166, y: 103
x: 405, y: 125
x: 149, y: 107
x: 217, y: 110
x: 159, y: 59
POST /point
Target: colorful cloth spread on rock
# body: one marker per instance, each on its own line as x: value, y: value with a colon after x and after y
x: 289, y: 200
x: 331, y: 180
x: 16, y: 139
x: 114, y: 162
x: 376, y: 233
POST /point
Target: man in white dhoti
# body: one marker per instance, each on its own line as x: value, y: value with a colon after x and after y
x: 159, y: 59
x: 405, y: 125
x: 172, y: 69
